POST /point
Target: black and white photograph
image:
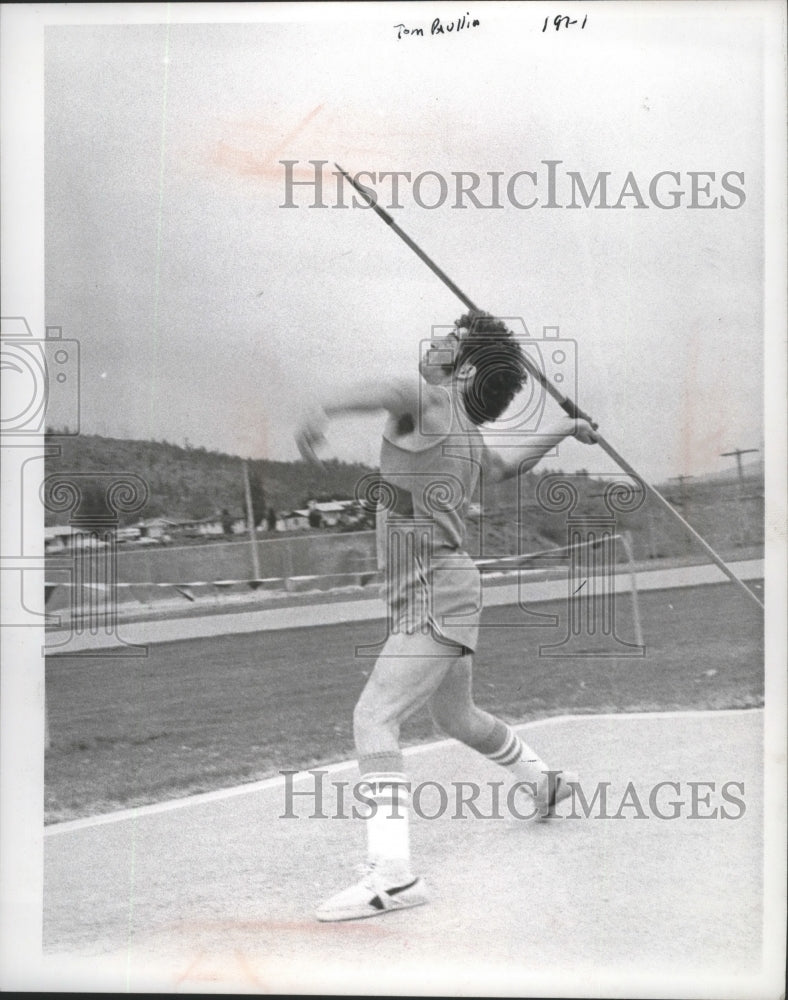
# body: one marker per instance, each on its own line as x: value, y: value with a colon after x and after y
x: 394, y: 499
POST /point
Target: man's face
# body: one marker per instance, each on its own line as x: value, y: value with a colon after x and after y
x: 438, y: 360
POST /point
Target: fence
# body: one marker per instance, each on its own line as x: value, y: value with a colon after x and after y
x: 280, y: 557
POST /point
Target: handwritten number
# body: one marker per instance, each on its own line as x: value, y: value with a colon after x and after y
x: 563, y: 21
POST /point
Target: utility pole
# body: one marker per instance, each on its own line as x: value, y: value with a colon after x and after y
x: 653, y: 551
x: 683, y: 494
x: 738, y: 452
x: 250, y: 522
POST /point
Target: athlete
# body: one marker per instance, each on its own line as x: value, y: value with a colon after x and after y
x: 432, y: 457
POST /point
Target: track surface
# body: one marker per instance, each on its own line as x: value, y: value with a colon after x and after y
x: 217, y: 895
x: 210, y: 712
x: 216, y: 892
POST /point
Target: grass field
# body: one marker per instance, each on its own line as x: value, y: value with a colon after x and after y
x: 204, y: 714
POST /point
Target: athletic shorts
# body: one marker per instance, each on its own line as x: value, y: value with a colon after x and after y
x: 436, y: 592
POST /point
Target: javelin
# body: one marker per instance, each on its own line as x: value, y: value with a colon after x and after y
x: 566, y: 404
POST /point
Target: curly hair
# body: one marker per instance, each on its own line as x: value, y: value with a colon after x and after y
x: 498, y: 359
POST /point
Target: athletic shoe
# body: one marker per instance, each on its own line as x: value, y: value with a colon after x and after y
x: 372, y: 896
x: 554, y: 787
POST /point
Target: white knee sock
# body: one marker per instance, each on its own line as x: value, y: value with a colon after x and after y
x: 385, y: 786
x: 388, y: 827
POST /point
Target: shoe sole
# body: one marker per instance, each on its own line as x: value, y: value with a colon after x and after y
x: 417, y: 898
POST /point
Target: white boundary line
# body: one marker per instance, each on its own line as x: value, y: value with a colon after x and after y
x: 249, y: 788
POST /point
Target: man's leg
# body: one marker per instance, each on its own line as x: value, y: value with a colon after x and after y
x: 406, y: 674
x: 456, y: 713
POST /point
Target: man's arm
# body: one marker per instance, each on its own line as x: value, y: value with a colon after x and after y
x: 505, y: 463
x: 396, y: 396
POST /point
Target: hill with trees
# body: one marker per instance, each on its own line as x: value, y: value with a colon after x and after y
x: 193, y: 483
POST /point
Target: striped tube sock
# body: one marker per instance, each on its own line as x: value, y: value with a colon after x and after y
x: 388, y: 827
x: 514, y: 755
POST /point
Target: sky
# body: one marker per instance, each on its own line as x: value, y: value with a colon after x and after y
x: 209, y: 314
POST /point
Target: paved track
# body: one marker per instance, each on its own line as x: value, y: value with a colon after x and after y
x: 215, y: 893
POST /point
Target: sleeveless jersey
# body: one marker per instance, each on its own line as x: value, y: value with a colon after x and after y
x: 430, y: 584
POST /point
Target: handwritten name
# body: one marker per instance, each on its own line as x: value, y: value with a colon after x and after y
x: 439, y: 27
